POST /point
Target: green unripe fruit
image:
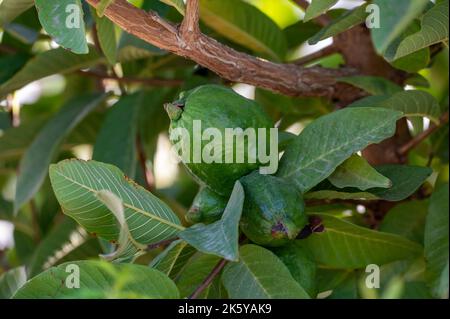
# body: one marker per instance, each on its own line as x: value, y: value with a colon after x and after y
x: 273, y: 213
x: 221, y: 109
x: 207, y: 207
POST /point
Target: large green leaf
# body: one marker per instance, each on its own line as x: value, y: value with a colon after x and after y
x: 76, y: 185
x: 34, y: 163
x: 436, y: 242
x: 406, y: 219
x: 345, y: 245
x: 330, y: 140
x: 220, y: 238
x: 99, y: 280
x: 259, y: 274
x: 356, y: 172
x: 372, y: 84
x: 12, y: 280
x: 63, y: 21
x: 434, y: 30
x: 318, y: 7
x: 244, y: 24
x: 48, y: 63
x: 10, y: 9
x: 392, y: 24
x: 344, y: 22
x: 116, y: 141
x: 412, y: 103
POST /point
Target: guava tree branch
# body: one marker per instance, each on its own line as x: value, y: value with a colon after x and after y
x: 187, y: 41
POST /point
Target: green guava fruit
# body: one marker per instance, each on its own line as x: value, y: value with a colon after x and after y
x: 273, y: 213
x: 218, y: 109
x: 207, y: 207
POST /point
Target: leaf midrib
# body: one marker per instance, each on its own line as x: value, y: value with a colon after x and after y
x: 138, y: 210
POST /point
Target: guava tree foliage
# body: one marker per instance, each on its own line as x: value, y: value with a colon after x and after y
x: 358, y: 204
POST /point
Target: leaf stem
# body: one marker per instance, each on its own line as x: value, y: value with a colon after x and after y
x: 208, y: 280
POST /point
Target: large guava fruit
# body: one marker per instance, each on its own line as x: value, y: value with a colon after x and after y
x: 219, y: 109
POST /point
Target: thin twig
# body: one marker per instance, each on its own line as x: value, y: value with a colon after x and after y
x: 162, y: 243
x: 7, y: 49
x: 208, y: 280
x: 322, y: 20
x: 406, y: 148
x: 147, y: 81
x: 148, y: 176
x: 316, y: 55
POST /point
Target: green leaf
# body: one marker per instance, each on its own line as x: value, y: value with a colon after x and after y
x: 318, y: 7
x: 61, y: 241
x: 246, y: 25
x: 116, y: 141
x: 434, y: 30
x: 413, y: 62
x: 341, y: 24
x: 177, y: 4
x: 10, y: 9
x: 259, y: 274
x: 330, y: 140
x: 356, y: 172
x: 63, y: 21
x: 48, y: 63
x: 405, y: 179
x: 107, y: 38
x: 102, y: 5
x: 99, y: 279
x: 34, y: 163
x: 344, y: 245
x: 372, y: 84
x: 194, y: 273
x: 76, y: 184
x: 12, y: 280
x: 392, y: 25
x: 220, y: 238
x: 407, y: 220
x: 301, y: 265
x: 413, y: 103
x: 436, y: 242
x: 172, y: 260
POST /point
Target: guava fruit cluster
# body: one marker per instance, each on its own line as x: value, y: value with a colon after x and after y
x: 273, y: 212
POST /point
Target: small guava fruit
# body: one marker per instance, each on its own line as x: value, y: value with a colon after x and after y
x: 273, y: 213
x: 207, y: 207
x: 210, y: 114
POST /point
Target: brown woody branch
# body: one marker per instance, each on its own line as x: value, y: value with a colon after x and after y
x: 187, y: 41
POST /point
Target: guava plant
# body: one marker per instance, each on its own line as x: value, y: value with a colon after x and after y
x: 334, y: 185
